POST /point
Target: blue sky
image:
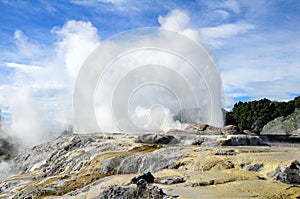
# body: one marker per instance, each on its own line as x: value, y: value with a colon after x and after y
x: 255, y: 42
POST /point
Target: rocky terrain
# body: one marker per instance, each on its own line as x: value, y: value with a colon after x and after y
x: 200, y: 162
x: 284, y: 126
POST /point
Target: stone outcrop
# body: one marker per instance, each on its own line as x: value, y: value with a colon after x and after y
x: 142, y: 191
x: 283, y: 125
x: 291, y: 174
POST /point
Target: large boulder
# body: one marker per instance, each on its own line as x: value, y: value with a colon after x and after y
x: 146, y: 176
x: 142, y: 191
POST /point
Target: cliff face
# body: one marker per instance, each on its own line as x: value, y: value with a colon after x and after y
x: 289, y: 125
x: 184, y: 164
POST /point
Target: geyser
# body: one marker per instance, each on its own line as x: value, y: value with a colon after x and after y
x: 137, y: 80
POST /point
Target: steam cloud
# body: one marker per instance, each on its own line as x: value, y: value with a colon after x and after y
x: 40, y: 99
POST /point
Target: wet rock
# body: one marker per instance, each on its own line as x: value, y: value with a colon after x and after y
x: 291, y: 174
x: 243, y: 140
x: 252, y: 167
x: 156, y: 139
x: 148, y: 177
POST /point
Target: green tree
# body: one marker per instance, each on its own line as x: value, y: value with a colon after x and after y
x: 297, y: 102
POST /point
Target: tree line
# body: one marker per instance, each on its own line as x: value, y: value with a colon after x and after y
x: 255, y: 114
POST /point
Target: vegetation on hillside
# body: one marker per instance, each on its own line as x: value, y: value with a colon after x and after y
x: 255, y: 114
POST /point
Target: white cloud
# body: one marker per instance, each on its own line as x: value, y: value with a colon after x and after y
x: 175, y: 20
x: 179, y: 21
x: 262, y: 66
x: 77, y: 40
x: 215, y: 36
x: 250, y: 61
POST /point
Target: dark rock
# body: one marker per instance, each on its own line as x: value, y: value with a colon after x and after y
x: 148, y: 177
x: 291, y: 174
x: 156, y: 139
x: 252, y: 167
x: 142, y: 191
x: 243, y: 140
x: 261, y: 178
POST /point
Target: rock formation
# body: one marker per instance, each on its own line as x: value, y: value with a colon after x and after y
x: 183, y: 163
x: 284, y: 125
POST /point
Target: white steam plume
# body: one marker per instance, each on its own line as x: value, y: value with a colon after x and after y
x: 40, y: 98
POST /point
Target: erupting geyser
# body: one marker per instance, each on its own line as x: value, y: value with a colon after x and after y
x: 138, y: 80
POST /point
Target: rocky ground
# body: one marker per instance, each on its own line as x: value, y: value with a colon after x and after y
x: 194, y: 163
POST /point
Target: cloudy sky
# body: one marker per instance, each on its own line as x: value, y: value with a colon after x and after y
x: 43, y: 44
